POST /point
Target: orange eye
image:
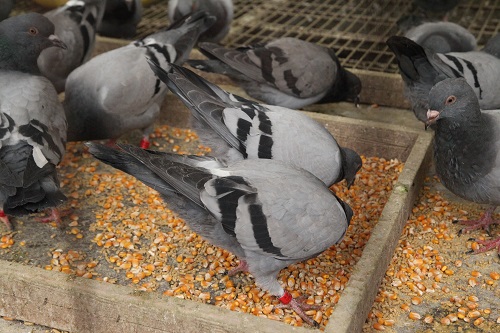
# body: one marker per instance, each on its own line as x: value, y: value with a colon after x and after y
x: 450, y: 100
x: 33, y: 31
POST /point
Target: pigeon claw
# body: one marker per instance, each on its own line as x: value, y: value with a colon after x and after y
x: 242, y: 267
x: 55, y: 216
x: 5, y: 219
x: 300, y: 307
x: 487, y: 246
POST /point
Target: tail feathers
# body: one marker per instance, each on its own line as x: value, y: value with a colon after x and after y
x: 167, y: 170
x: 412, y: 59
x: 206, y: 101
x: 129, y: 165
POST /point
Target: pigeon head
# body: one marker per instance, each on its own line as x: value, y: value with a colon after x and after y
x: 350, y: 165
x: 453, y: 100
x: 23, y: 38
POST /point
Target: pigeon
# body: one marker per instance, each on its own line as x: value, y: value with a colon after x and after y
x: 76, y: 23
x: 466, y: 149
x: 116, y: 92
x: 5, y: 8
x: 222, y: 9
x: 121, y: 18
x: 267, y: 213
x: 421, y: 69
x: 238, y: 129
x: 287, y: 72
x: 442, y: 37
x: 32, y: 121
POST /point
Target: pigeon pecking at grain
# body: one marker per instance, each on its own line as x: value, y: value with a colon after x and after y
x: 236, y: 129
x: 222, y: 10
x: 421, y: 69
x: 32, y: 121
x: 116, y: 92
x: 287, y: 72
x: 76, y: 23
x: 267, y: 213
x: 466, y: 149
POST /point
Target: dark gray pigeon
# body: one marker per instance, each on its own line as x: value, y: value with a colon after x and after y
x: 443, y: 37
x: 32, y: 121
x: 222, y: 9
x: 76, y: 24
x: 116, y: 92
x: 421, y: 69
x: 5, y: 8
x: 121, y: 18
x: 238, y: 129
x: 466, y: 149
x: 269, y: 214
x: 287, y: 72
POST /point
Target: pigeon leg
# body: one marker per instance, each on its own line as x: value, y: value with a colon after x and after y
x: 5, y: 219
x: 484, y: 222
x: 487, y: 245
x: 242, y: 267
x: 55, y: 216
x: 299, y: 306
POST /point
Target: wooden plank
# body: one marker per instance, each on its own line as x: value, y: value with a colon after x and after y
x: 357, y: 298
x: 73, y: 304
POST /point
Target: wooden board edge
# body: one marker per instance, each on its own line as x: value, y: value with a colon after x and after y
x: 360, y: 292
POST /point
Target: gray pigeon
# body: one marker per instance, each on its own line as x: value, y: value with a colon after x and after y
x: 5, y: 8
x: 269, y: 214
x: 287, y: 72
x: 466, y: 149
x: 32, y: 121
x: 238, y: 129
x: 443, y: 37
x: 76, y: 23
x: 421, y: 69
x: 121, y: 18
x: 222, y: 9
x: 116, y: 92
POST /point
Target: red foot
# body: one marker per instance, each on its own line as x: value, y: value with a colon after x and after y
x: 484, y: 222
x: 55, y: 216
x: 5, y: 219
x: 242, y: 267
x: 487, y: 245
x: 144, y: 143
x: 299, y: 306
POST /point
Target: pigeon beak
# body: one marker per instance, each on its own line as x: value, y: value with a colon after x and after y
x: 57, y: 42
x: 432, y: 117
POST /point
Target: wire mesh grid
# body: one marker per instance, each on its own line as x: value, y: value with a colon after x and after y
x: 355, y: 29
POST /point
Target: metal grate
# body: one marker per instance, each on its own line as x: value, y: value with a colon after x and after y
x: 357, y: 30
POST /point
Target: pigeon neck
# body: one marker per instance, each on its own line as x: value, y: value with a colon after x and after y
x: 10, y: 60
x: 464, y: 150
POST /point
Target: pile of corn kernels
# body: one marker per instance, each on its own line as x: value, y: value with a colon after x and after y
x: 135, y: 239
x: 432, y: 284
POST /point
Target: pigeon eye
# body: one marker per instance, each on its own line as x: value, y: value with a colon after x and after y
x: 33, y: 31
x: 450, y: 100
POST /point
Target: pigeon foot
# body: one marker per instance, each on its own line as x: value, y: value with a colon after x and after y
x: 300, y: 307
x: 484, y: 222
x: 55, y: 216
x: 487, y: 246
x: 242, y: 267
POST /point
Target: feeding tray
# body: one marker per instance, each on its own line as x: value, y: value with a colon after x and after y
x: 76, y: 304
